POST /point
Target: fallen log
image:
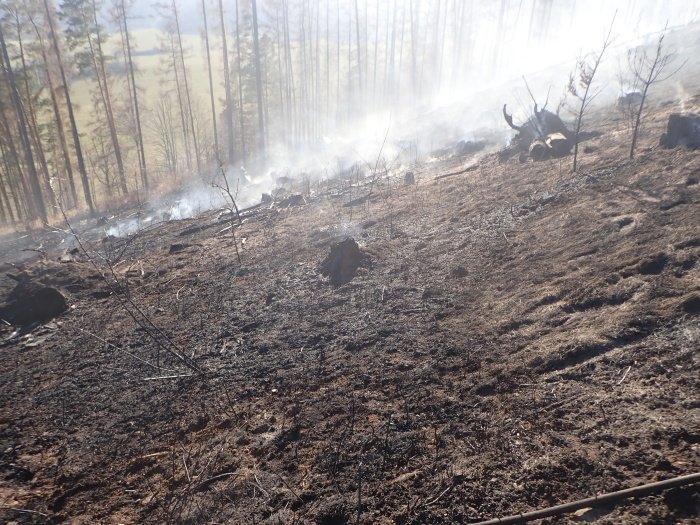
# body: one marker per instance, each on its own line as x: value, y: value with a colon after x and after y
x: 596, y: 501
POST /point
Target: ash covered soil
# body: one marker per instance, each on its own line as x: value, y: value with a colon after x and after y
x: 517, y: 336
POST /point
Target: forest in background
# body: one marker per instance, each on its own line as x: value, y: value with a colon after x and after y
x: 96, y: 115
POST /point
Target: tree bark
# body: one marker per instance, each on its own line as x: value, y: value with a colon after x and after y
x: 135, y: 100
x: 258, y: 78
x: 37, y: 199
x: 71, y: 116
x: 227, y: 87
x: 211, y: 81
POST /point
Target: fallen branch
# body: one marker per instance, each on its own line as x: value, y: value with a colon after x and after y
x: 473, y: 167
x: 25, y: 511
x: 596, y: 501
x: 166, y: 377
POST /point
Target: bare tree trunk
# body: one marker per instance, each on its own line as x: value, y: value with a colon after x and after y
x: 187, y: 91
x: 137, y: 112
x: 8, y: 215
x: 227, y: 87
x: 71, y: 116
x: 17, y: 184
x: 359, y: 50
x: 181, y: 105
x: 211, y: 80
x: 414, y: 51
x: 376, y: 51
x: 32, y: 121
x: 258, y: 77
x: 244, y: 149
x: 37, y: 198
x: 60, y: 129
x: 98, y: 61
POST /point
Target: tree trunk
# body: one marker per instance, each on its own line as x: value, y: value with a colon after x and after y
x: 135, y: 100
x: 187, y: 91
x: 71, y: 116
x: 60, y: 129
x: 211, y: 81
x: 359, y: 50
x: 98, y: 59
x: 258, y: 78
x: 37, y: 198
x: 32, y: 122
x: 227, y: 87
x: 181, y: 105
x: 244, y: 149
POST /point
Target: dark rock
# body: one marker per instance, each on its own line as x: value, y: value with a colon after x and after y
x: 459, y: 272
x: 333, y: 511
x: 654, y: 265
x: 30, y: 302
x: 629, y: 102
x: 683, y: 129
x: 691, y: 305
x: 343, y: 261
x: 409, y: 178
x: 177, y: 248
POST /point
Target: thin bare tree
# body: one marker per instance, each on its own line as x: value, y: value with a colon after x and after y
x: 580, y: 84
x: 649, y: 69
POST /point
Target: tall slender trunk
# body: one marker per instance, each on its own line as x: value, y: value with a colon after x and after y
x: 227, y: 88
x: 135, y: 99
x: 181, y: 105
x: 187, y: 91
x: 376, y: 52
x: 282, y: 79
x: 211, y: 80
x: 32, y: 121
x: 359, y: 49
x: 244, y: 149
x: 37, y: 198
x: 98, y: 60
x: 403, y: 34
x: 415, y: 17
x: 8, y: 215
x: 258, y: 77
x: 60, y: 129
x: 18, y: 184
x: 71, y: 116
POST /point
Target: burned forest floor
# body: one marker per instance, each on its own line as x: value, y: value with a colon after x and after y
x: 517, y: 336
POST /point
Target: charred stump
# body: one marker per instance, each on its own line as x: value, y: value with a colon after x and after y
x: 342, y: 262
x: 683, y: 129
x: 31, y: 302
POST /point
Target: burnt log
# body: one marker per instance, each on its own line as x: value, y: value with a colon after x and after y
x: 538, y: 127
x: 538, y: 150
x: 558, y: 144
x: 683, y: 129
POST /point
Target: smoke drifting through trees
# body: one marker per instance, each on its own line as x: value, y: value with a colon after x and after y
x: 281, y: 76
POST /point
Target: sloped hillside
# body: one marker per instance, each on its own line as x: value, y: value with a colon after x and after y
x: 516, y: 336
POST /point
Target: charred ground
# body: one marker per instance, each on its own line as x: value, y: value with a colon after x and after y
x: 518, y: 336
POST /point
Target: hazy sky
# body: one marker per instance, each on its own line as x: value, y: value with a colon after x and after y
x: 585, y: 13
